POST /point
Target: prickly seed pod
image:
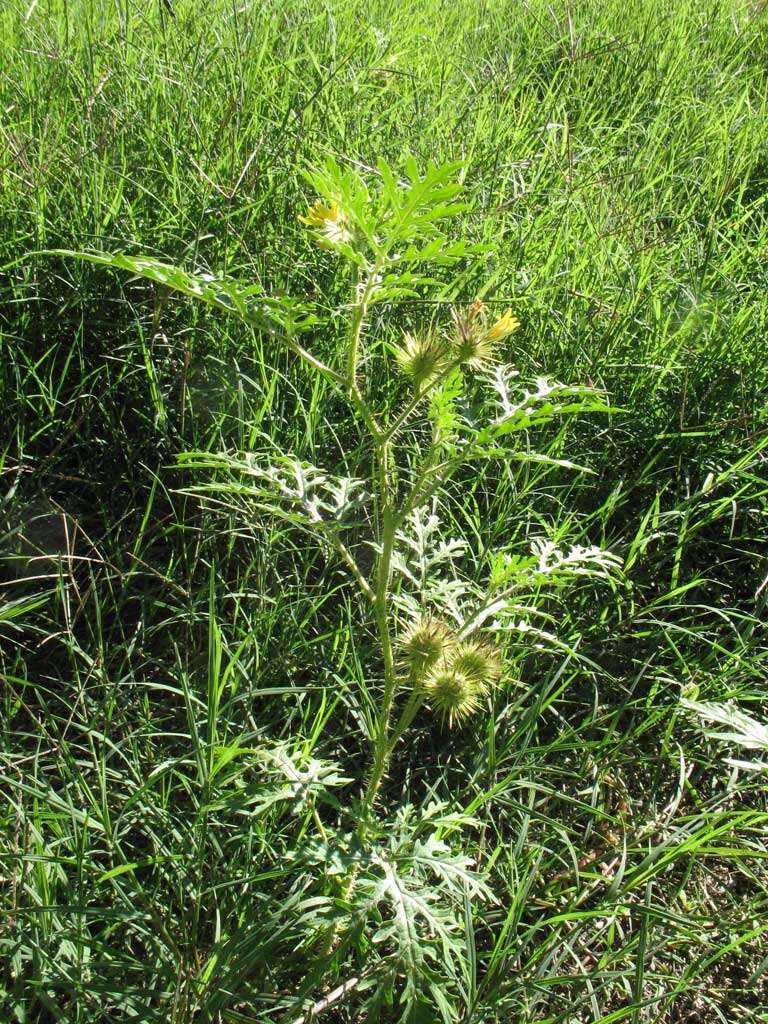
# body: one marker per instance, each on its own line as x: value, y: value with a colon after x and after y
x: 477, y: 660
x: 421, y: 356
x: 423, y: 644
x: 452, y: 694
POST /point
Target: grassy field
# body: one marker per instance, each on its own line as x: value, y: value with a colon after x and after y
x: 189, y: 688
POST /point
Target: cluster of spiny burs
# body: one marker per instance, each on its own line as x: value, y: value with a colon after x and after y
x: 449, y: 673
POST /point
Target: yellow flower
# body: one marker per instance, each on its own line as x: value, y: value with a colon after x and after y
x: 330, y: 221
x: 503, y: 327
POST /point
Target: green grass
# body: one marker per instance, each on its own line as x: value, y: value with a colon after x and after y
x: 615, y: 158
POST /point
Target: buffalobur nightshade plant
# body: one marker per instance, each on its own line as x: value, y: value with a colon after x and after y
x: 441, y: 622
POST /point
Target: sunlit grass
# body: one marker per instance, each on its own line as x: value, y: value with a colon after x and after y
x: 615, y: 159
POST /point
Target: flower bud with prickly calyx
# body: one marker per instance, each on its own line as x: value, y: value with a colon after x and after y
x: 477, y: 660
x: 475, y: 343
x: 456, y: 684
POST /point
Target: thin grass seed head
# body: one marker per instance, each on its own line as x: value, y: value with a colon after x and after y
x: 329, y: 222
x: 423, y: 644
x: 476, y: 344
x: 421, y: 356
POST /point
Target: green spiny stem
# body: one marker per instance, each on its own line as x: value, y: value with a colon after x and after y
x: 418, y: 398
x: 382, y: 744
x: 379, y: 596
x: 408, y: 714
x: 355, y: 398
x: 381, y: 611
x: 384, y: 570
x: 363, y: 295
x: 354, y: 568
x: 313, y: 361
